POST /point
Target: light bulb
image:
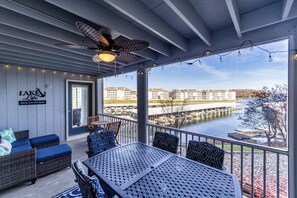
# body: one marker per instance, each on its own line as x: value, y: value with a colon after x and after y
x: 239, y: 54
x: 270, y: 58
x: 221, y: 60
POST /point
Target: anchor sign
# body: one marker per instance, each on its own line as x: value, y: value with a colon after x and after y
x: 31, y: 97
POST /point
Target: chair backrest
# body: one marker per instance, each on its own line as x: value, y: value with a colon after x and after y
x: 89, y: 186
x: 92, y: 119
x: 99, y: 142
x: 76, y: 117
x: 115, y: 127
x: 206, y: 153
x: 166, y: 142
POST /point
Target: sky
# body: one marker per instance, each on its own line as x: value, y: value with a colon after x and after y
x: 251, y: 70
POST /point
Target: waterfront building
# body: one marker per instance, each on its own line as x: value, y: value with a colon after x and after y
x: 133, y: 95
x: 178, y: 94
x: 158, y: 94
x: 230, y: 95
x: 117, y: 93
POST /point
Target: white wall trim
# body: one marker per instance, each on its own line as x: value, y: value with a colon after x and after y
x: 292, y: 124
x: 68, y: 138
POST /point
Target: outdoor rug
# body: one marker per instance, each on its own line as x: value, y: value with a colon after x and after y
x: 73, y: 192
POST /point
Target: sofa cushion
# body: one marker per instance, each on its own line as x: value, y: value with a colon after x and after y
x: 6, y: 145
x: 37, y: 141
x: 20, y: 142
x: 53, y: 152
x: 8, y: 135
x: 21, y: 148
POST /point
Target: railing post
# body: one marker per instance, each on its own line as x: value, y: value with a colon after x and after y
x: 142, y: 106
x: 292, y: 106
x: 100, y: 108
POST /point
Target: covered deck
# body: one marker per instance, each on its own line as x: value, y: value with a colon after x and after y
x: 33, y: 64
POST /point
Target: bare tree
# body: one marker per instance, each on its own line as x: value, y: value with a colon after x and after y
x: 268, y: 113
x: 174, y: 112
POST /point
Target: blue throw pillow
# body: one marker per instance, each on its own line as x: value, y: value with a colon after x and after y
x: 8, y: 135
x: 93, y: 181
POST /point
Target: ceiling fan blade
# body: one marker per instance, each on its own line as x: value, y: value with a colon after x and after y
x: 73, y: 46
x: 91, y: 33
x: 132, y: 45
x: 126, y: 57
x: 96, y: 59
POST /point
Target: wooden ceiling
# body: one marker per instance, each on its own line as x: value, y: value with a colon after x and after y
x: 175, y: 29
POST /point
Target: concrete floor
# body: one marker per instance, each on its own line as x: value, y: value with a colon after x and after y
x: 50, y: 185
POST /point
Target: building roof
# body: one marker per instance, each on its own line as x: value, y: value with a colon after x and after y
x: 157, y: 89
x: 117, y: 88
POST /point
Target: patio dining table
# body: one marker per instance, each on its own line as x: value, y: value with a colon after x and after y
x: 140, y: 170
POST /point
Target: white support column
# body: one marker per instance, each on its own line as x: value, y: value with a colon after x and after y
x: 100, y: 97
x: 142, y: 106
x: 292, y: 106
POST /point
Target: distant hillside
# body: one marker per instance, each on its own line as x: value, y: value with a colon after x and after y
x: 245, y: 93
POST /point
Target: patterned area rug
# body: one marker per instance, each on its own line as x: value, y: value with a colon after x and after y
x: 73, y: 192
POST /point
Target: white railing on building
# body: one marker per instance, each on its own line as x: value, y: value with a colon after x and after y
x: 261, y: 170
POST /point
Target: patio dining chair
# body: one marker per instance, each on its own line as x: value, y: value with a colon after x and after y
x: 206, y: 153
x: 92, y: 128
x: 89, y: 186
x: 166, y: 142
x: 99, y: 142
x: 115, y: 127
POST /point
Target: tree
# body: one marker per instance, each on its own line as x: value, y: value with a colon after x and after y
x: 174, y: 112
x: 268, y: 112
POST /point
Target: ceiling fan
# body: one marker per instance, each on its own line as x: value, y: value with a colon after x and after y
x: 108, y: 49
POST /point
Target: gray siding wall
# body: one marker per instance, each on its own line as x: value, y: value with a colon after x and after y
x: 39, y: 119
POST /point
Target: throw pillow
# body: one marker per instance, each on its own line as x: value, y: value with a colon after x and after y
x: 6, y: 145
x: 8, y: 135
x: 3, y: 151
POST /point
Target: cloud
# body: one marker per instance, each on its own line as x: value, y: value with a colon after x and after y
x: 211, y: 70
x: 268, y: 73
x: 280, y: 59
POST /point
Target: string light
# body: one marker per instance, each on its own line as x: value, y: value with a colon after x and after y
x: 43, y: 71
x: 65, y: 73
x: 6, y: 66
x: 19, y: 68
x: 88, y: 76
x: 72, y: 75
x: 80, y: 75
x: 252, y: 47
x: 33, y: 69
x: 54, y: 72
x: 270, y: 59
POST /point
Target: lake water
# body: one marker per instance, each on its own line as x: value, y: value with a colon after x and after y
x: 219, y: 126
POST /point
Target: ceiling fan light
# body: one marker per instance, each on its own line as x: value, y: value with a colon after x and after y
x: 107, y: 56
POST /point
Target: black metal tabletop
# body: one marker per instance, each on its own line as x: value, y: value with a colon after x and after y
x: 139, y: 170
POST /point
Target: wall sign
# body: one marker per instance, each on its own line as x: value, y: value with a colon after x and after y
x: 32, y: 97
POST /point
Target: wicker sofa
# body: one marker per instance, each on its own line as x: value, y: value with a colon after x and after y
x: 18, y: 167
x: 32, y: 158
